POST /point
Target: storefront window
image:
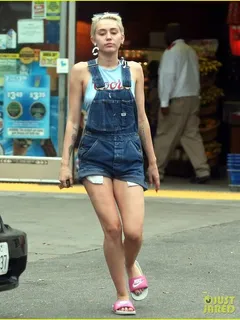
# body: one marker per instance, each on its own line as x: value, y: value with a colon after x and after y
x: 29, y: 49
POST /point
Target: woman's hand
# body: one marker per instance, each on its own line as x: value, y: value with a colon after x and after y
x: 153, y: 175
x: 65, y: 177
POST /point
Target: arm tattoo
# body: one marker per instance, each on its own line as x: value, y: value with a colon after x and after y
x: 74, y: 137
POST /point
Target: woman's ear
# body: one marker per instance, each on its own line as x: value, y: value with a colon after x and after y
x: 93, y: 41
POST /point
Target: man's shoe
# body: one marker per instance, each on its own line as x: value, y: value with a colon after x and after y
x: 200, y: 180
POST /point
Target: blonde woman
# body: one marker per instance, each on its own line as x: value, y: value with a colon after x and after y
x: 110, y: 152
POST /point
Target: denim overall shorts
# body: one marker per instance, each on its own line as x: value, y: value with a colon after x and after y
x: 110, y: 145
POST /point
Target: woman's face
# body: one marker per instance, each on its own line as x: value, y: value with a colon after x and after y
x: 108, y: 36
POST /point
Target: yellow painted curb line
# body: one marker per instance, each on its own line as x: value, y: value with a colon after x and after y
x: 180, y: 194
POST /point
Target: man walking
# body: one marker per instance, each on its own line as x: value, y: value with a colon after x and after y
x: 178, y: 120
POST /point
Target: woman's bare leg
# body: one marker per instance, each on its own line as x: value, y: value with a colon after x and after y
x: 103, y: 201
x: 130, y: 201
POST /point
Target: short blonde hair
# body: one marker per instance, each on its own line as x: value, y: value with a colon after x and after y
x: 106, y: 15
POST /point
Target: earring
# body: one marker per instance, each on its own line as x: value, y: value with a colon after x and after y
x: 95, y: 50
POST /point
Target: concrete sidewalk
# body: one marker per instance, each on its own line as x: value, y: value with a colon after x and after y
x: 190, y: 247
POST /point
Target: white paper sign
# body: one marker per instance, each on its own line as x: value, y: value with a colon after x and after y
x: 3, y: 41
x: 30, y: 31
x: 62, y: 65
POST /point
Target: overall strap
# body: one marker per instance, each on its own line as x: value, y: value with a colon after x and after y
x: 126, y: 76
x: 96, y: 75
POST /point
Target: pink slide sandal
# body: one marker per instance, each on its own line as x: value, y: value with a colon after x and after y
x: 123, y: 304
x: 138, y: 283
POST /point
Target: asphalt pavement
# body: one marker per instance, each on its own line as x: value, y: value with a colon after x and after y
x: 191, y: 250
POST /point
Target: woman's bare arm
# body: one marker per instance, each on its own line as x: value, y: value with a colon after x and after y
x: 143, y: 124
x: 73, y: 119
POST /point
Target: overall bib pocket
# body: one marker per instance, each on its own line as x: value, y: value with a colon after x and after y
x: 127, y: 113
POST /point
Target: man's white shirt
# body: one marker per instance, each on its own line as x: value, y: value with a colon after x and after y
x: 178, y: 73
